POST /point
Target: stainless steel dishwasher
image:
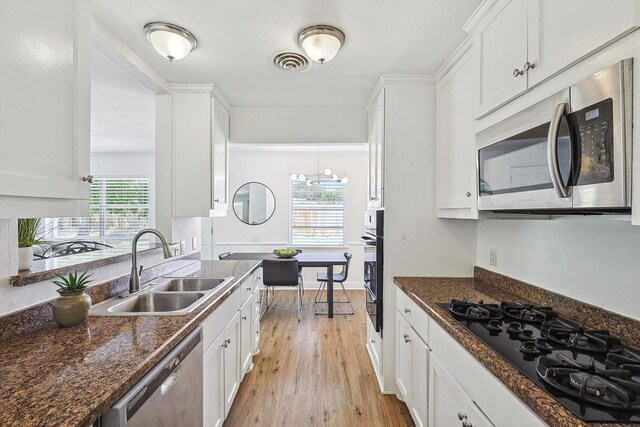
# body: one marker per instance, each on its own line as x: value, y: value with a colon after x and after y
x: 169, y: 395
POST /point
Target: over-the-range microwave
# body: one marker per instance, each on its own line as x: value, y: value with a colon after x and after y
x: 570, y: 153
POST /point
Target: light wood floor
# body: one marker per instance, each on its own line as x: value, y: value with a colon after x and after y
x: 314, y: 373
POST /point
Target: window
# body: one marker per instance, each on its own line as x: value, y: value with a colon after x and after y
x: 118, y: 209
x: 317, y: 213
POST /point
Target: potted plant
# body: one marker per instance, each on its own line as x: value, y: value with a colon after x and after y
x: 72, y: 307
x: 28, y: 236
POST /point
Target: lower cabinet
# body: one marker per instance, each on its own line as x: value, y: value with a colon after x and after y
x: 229, y: 356
x: 449, y: 404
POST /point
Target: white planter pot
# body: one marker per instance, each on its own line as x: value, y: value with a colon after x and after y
x: 25, y: 258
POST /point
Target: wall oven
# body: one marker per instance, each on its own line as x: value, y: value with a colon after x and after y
x: 570, y: 152
x: 373, y: 239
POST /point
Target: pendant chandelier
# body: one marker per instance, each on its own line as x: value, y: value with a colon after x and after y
x: 320, y: 175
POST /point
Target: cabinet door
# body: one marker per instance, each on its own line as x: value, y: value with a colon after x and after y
x: 373, y: 134
x: 213, y: 382
x: 246, y: 337
x: 449, y: 404
x: 220, y: 158
x: 502, y: 45
x: 456, y: 147
x: 419, y: 380
x: 380, y: 149
x: 232, y: 375
x: 569, y: 29
x: 403, y: 359
x: 45, y: 103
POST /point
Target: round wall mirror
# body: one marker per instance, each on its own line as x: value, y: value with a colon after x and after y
x: 254, y: 203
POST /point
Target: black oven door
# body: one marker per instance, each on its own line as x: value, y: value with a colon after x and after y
x: 374, y: 309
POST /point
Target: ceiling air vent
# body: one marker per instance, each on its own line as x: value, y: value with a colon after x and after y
x: 291, y: 62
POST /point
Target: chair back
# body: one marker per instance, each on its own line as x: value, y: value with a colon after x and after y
x: 345, y: 270
x: 224, y: 255
x: 280, y: 272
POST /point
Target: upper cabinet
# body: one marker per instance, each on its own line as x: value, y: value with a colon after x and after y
x: 455, y: 141
x: 523, y: 43
x: 200, y: 130
x: 44, y: 108
x: 376, y: 152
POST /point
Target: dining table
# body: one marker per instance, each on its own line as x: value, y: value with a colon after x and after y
x: 305, y: 259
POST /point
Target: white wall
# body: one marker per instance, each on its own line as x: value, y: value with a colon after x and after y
x: 272, y: 165
x: 594, y: 260
x: 8, y: 249
x: 298, y: 125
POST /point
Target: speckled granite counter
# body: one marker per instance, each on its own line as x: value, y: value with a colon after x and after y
x: 69, y: 377
x: 492, y: 288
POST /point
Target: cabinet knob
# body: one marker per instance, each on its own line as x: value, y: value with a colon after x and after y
x: 244, y: 317
x: 468, y: 194
x: 249, y: 288
x: 88, y: 178
x: 257, y: 332
x: 517, y: 72
x: 529, y: 65
x: 216, y: 200
x: 227, y: 341
x: 372, y: 340
x: 406, y: 338
x: 406, y: 310
x: 462, y: 416
x: 466, y: 424
x: 225, y: 345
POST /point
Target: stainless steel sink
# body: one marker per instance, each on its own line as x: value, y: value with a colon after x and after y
x: 158, y: 302
x: 190, y: 285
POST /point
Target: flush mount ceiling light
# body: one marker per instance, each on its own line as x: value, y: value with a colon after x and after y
x: 321, y: 42
x: 169, y: 40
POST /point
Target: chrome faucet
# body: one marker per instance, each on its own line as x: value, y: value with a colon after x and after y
x: 134, y: 280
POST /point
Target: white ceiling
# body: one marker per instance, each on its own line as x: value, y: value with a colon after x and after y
x: 122, y: 110
x: 237, y: 40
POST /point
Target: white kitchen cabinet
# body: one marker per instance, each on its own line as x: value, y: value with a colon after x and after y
x: 213, y: 382
x: 199, y: 144
x: 502, y: 46
x: 456, y: 187
x: 374, y: 347
x: 44, y: 108
x: 376, y: 151
x: 232, y: 374
x: 403, y: 359
x: 220, y: 161
x: 246, y: 335
x: 420, y: 386
x: 449, y: 404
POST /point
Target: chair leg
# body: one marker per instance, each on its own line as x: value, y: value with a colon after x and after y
x: 299, y: 302
x: 301, y: 280
x: 322, y: 285
x: 347, y: 297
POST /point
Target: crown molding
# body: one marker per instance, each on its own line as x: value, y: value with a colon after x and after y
x: 217, y: 94
x: 191, y: 88
x: 454, y: 58
x: 397, y: 80
x: 477, y: 15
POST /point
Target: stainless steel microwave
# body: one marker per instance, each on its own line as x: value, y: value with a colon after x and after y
x: 570, y: 152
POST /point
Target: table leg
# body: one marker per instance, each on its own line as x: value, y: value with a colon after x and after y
x: 330, y: 291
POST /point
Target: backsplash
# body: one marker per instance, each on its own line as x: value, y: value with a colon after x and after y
x: 594, y: 260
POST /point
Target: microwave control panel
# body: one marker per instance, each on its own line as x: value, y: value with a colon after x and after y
x: 594, y: 128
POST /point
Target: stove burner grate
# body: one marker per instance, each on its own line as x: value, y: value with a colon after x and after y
x: 527, y: 312
x: 578, y: 338
x: 475, y: 311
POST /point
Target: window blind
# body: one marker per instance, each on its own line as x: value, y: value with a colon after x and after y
x: 118, y: 209
x: 317, y: 213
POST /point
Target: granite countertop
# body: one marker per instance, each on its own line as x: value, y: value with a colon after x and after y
x: 69, y: 376
x: 426, y: 292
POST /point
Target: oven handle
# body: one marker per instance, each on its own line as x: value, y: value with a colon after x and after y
x: 368, y: 240
x: 552, y: 152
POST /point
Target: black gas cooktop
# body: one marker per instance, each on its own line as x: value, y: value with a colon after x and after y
x: 587, y: 371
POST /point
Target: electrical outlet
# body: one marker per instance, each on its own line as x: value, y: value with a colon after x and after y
x: 493, y: 257
x: 183, y: 247
x: 194, y: 243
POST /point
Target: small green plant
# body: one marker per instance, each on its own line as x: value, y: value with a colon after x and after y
x: 73, y: 282
x: 29, y: 232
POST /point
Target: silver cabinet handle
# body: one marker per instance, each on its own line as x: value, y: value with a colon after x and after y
x: 468, y: 194
x: 517, y: 72
x: 249, y: 288
x: 406, y: 338
x: 406, y: 310
x: 225, y: 345
x: 461, y: 416
x: 88, y: 178
x: 227, y: 341
x: 529, y: 65
x: 372, y: 340
x: 257, y: 332
x: 244, y: 317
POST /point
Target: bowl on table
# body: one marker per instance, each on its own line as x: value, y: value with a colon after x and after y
x: 285, y: 253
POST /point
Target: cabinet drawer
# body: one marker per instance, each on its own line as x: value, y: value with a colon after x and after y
x: 484, y: 388
x: 215, y: 323
x: 374, y: 344
x: 415, y: 315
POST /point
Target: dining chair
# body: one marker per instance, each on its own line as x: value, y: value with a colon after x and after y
x: 340, y: 278
x: 281, y: 272
x: 299, y: 251
x: 224, y: 255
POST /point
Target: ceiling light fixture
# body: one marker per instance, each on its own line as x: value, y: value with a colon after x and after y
x: 169, y: 40
x: 321, y: 42
x: 320, y: 177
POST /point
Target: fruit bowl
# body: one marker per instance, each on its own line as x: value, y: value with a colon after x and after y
x: 285, y: 253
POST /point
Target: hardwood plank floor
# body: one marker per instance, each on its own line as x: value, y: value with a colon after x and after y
x: 314, y: 373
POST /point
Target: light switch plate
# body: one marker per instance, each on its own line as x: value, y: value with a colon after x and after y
x: 493, y: 257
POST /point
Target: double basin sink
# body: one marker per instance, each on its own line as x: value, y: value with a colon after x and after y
x: 173, y: 296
